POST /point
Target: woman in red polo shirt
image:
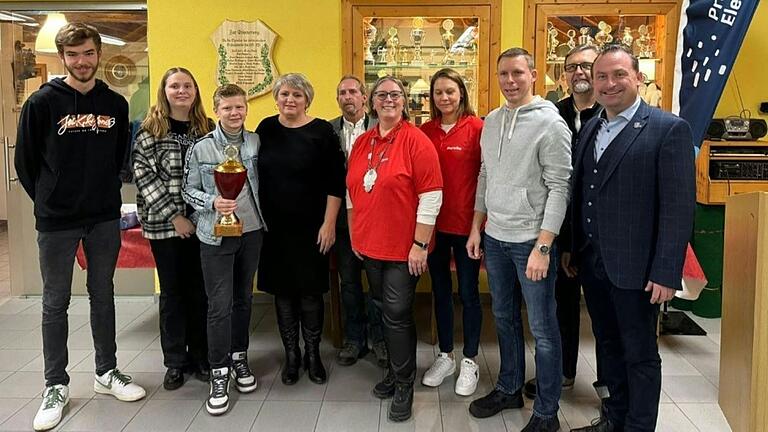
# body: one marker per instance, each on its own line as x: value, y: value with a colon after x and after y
x: 455, y: 132
x: 395, y: 191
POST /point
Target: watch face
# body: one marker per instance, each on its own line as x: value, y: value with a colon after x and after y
x: 544, y: 249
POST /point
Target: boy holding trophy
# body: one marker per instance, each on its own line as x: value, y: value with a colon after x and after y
x: 221, y: 183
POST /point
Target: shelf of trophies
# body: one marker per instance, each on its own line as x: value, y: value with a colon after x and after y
x: 414, y: 48
x: 648, y: 28
x: 636, y: 32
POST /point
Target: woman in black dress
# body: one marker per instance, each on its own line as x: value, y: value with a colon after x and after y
x: 301, y: 183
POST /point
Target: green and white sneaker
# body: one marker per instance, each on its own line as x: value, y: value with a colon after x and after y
x: 55, y: 398
x: 119, y: 385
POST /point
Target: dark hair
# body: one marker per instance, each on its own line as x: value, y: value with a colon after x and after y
x: 464, y: 107
x: 517, y: 52
x: 581, y: 48
x: 372, y: 112
x: 74, y: 34
x: 157, y: 123
x: 617, y: 47
x: 227, y: 91
x: 359, y: 82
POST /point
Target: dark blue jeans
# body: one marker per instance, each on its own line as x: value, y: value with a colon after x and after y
x: 101, y: 244
x: 624, y: 324
x: 467, y: 271
x: 361, y: 319
x: 506, y: 263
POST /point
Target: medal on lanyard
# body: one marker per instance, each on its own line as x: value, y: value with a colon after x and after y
x: 371, y: 174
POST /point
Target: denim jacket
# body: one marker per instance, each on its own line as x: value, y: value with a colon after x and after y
x: 199, y: 187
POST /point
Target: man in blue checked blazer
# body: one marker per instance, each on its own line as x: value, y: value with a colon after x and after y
x: 632, y: 213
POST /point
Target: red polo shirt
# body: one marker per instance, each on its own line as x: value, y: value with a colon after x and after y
x: 385, y: 218
x: 459, y: 153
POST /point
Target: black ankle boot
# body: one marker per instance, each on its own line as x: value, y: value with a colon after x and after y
x: 290, y: 373
x: 314, y: 366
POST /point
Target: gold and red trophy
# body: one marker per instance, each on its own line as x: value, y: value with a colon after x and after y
x: 230, y: 177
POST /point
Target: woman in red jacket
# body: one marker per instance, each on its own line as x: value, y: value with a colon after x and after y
x: 455, y: 132
x: 395, y: 191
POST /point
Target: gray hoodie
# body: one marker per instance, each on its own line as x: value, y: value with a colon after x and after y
x: 523, y: 184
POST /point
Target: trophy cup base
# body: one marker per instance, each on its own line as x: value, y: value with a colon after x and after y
x: 234, y: 230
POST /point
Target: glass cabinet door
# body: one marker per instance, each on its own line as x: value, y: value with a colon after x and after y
x: 413, y: 42
x: 649, y: 30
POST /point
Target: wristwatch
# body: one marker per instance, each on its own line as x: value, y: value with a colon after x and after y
x: 543, y: 248
x: 424, y: 246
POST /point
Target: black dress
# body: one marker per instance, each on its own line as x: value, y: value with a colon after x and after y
x: 298, y: 169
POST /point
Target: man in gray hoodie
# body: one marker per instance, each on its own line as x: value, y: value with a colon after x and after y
x: 522, y: 192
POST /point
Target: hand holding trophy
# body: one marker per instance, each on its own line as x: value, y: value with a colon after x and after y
x: 230, y: 177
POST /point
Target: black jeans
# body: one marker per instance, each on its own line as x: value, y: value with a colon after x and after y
x: 467, y: 272
x: 183, y: 303
x: 228, y: 270
x: 624, y: 324
x: 393, y: 290
x: 101, y: 244
x: 567, y: 296
x: 358, y: 310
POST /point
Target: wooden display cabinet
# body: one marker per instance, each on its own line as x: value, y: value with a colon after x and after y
x: 650, y: 28
x: 412, y: 40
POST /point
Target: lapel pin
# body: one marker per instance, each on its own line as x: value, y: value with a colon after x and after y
x: 638, y: 125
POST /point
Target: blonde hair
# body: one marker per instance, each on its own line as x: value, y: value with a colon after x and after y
x: 157, y: 123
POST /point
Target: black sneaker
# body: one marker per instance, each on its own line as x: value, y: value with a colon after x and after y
x: 241, y: 373
x: 382, y: 354
x: 348, y: 355
x: 401, y: 407
x: 386, y: 388
x: 538, y: 424
x: 218, y: 396
x: 495, y: 402
x: 174, y: 378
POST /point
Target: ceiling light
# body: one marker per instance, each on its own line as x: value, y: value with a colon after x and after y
x: 46, y: 37
x: 112, y: 40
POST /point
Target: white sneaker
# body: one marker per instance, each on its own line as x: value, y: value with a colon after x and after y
x: 245, y: 381
x: 218, y: 394
x: 119, y: 385
x: 55, y: 398
x: 466, y: 384
x: 444, y: 366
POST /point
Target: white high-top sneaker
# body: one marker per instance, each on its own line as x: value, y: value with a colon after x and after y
x: 55, y: 398
x: 218, y: 396
x: 444, y: 366
x: 119, y: 385
x: 245, y: 381
x: 469, y: 374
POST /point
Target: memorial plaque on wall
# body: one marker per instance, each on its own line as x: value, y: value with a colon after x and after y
x: 244, y: 53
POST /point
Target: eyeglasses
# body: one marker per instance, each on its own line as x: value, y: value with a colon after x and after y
x: 571, y: 67
x: 382, y: 95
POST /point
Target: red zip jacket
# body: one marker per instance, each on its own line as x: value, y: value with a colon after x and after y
x: 459, y: 153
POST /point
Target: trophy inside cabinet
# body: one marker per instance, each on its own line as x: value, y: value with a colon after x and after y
x: 648, y: 29
x: 412, y: 49
x: 638, y: 33
x: 412, y: 43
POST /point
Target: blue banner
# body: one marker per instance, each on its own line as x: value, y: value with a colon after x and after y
x: 711, y: 34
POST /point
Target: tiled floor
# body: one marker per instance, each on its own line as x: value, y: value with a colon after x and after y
x: 688, y: 403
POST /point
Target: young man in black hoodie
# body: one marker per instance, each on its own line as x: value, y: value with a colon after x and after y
x: 73, y: 134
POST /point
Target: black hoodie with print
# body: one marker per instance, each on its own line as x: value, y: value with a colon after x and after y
x: 69, y: 149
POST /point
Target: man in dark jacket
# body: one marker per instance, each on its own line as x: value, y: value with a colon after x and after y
x: 634, y: 193
x: 72, y: 137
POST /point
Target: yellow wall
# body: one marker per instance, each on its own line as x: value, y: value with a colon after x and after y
x: 309, y: 42
x: 748, y: 71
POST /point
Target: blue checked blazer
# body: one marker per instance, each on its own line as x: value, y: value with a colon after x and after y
x: 646, y: 199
